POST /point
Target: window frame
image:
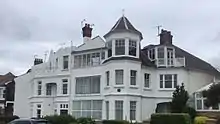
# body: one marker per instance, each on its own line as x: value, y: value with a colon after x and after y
x: 133, y: 77
x: 120, y: 47
x: 119, y: 114
x: 132, y: 46
x: 163, y: 81
x: 107, y: 73
x: 64, y: 86
x: 39, y: 88
x: 147, y: 80
x: 66, y: 62
x: 133, y: 110
x: 117, y: 82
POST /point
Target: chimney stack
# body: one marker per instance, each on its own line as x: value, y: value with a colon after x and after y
x: 87, y: 31
x: 38, y: 61
x: 166, y: 37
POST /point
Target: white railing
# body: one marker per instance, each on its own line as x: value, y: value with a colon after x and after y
x: 175, y: 62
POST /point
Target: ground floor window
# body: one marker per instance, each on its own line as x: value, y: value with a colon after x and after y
x: 118, y: 110
x: 38, y: 111
x: 64, y: 109
x: 133, y: 110
x: 87, y: 108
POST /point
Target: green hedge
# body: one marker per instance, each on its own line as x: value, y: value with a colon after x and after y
x: 60, y: 119
x: 170, y: 118
x: 114, y: 122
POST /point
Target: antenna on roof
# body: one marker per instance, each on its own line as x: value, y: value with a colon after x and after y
x: 123, y: 12
x: 158, y: 29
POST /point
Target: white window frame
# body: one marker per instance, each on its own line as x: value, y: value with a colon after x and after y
x: 132, y: 45
x: 133, y: 110
x: 65, y: 82
x: 133, y: 76
x: 119, y: 114
x: 107, y: 73
x: 39, y: 88
x: 107, y: 109
x: 2, y: 94
x: 118, y: 44
x: 66, y: 60
x: 147, y: 80
x: 174, y: 83
x: 122, y: 76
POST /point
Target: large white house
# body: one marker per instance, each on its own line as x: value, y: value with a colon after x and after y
x: 110, y: 78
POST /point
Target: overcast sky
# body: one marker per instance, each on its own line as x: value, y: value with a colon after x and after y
x: 32, y: 27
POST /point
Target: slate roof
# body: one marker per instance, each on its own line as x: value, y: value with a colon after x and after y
x: 123, y: 24
x: 191, y: 61
x: 5, y: 78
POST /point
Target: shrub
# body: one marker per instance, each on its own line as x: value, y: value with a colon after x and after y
x: 85, y: 121
x: 170, y: 118
x: 115, y: 122
x: 60, y: 119
x: 191, y: 111
x: 200, y: 120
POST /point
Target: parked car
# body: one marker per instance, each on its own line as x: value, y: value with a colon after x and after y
x: 29, y: 121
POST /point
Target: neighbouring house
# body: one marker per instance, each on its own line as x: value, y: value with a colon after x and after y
x: 110, y: 78
x: 7, y: 87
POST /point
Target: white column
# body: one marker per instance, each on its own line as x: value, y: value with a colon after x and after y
x: 126, y: 46
x: 113, y: 47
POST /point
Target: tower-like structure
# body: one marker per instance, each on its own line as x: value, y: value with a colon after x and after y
x: 123, y: 39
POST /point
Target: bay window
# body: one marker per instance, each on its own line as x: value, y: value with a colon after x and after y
x: 88, y: 85
x: 120, y: 47
x: 168, y: 81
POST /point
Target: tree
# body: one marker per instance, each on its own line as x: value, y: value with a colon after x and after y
x: 180, y: 98
x: 212, y: 95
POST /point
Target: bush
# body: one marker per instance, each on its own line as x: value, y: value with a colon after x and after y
x: 170, y: 118
x: 114, y: 122
x: 85, y: 121
x: 60, y: 119
x: 200, y: 120
x: 191, y: 111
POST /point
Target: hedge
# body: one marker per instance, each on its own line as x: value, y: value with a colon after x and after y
x: 170, y: 118
x: 115, y: 122
x: 60, y: 119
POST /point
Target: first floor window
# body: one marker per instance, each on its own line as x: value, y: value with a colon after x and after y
x: 107, y: 109
x: 147, y: 80
x: 118, y: 110
x: 88, y: 85
x: 168, y: 81
x: 119, y: 77
x: 65, y: 86
x: 87, y: 108
x: 132, y: 47
x: 132, y: 110
x: 2, y: 92
x: 64, y: 109
x: 109, y: 46
x: 39, y: 87
x: 133, y: 75
x: 107, y: 78
x: 49, y: 89
x: 38, y: 111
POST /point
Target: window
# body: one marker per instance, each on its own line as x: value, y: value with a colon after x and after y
x: 87, y: 108
x: 64, y: 109
x: 107, y: 78
x: 65, y: 62
x: 109, y: 46
x: 119, y: 110
x: 147, y: 80
x: 199, y: 104
x: 132, y: 110
x: 38, y: 111
x: 85, y: 60
x: 119, y: 77
x: 103, y: 55
x: 2, y: 92
x: 39, y: 87
x: 170, y: 56
x: 65, y: 86
x: 151, y: 54
x: 107, y: 109
x: 132, y: 47
x: 56, y: 64
x: 88, y: 85
x: 49, y: 89
x: 120, y: 47
x: 160, y: 55
x: 168, y: 81
x: 133, y: 75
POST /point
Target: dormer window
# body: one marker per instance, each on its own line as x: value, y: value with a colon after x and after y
x: 160, y: 56
x: 170, y: 56
x: 120, y: 47
x: 151, y: 54
x: 132, y: 47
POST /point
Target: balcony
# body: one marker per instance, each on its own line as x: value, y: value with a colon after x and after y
x: 175, y: 62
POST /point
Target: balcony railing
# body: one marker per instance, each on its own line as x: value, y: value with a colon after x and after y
x: 175, y: 62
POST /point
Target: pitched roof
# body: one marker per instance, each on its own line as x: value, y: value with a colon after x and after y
x: 191, y: 61
x: 5, y: 78
x: 123, y: 24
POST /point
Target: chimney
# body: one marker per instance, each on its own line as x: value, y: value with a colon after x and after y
x: 87, y: 32
x: 38, y: 61
x: 166, y: 37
